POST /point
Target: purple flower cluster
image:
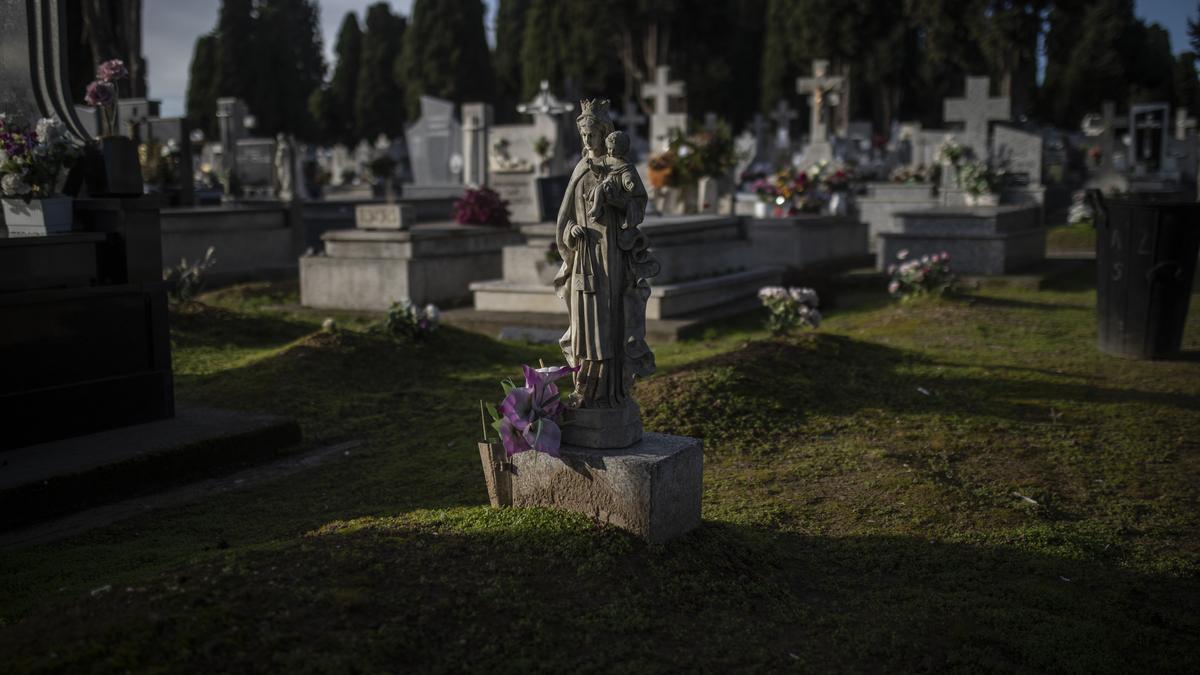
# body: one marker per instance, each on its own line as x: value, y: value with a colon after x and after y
x: 481, y: 206
x: 102, y: 92
x: 32, y: 159
x: 111, y: 71
x: 528, y: 417
x: 927, y: 275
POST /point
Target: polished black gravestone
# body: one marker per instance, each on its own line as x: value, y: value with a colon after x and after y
x: 85, y: 341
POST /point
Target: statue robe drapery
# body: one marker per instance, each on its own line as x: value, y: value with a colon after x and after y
x: 603, y: 280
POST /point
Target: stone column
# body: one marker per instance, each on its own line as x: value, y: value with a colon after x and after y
x: 476, y: 123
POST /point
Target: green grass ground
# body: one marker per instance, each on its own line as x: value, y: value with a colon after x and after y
x: 961, y: 485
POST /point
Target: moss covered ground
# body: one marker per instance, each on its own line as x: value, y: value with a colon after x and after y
x: 962, y: 485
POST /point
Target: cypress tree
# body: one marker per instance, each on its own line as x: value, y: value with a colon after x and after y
x: 291, y: 67
x: 446, y: 53
x: 510, y: 33
x: 343, y: 87
x: 378, y: 99
x: 202, y: 83
x: 237, y: 58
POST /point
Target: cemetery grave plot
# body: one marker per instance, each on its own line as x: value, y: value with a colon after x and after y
x: 970, y: 467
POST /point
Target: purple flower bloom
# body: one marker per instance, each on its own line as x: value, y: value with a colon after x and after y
x: 99, y: 94
x: 529, y: 415
x: 111, y: 71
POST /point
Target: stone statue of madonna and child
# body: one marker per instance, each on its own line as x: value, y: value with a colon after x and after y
x: 604, y: 282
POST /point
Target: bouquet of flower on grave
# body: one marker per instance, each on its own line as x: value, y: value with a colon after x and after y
x: 950, y: 151
x: 790, y: 308
x: 33, y: 160
x: 927, y: 275
x: 529, y: 417
x: 404, y: 319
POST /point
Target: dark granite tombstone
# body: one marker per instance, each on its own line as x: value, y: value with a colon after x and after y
x: 84, y: 314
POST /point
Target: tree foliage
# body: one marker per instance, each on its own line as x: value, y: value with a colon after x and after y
x: 446, y: 54
x: 202, y: 86
x: 378, y: 107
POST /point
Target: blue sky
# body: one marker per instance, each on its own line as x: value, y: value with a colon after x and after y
x: 172, y: 26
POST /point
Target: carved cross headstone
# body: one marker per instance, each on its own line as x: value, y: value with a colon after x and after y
x: 824, y: 91
x: 1148, y: 123
x: 1108, y: 137
x: 662, y: 120
x: 783, y: 116
x: 1184, y: 125
x: 977, y: 110
x: 758, y: 127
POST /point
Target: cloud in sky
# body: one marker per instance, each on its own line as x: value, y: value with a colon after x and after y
x: 170, y: 29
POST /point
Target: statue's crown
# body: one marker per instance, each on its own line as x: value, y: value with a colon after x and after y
x: 596, y: 106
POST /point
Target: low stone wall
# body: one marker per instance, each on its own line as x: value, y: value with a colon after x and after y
x: 250, y: 242
x: 804, y: 241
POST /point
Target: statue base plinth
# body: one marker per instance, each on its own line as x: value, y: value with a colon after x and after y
x: 603, y: 428
x: 653, y: 488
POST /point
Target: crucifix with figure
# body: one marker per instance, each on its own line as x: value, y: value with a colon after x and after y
x: 824, y: 90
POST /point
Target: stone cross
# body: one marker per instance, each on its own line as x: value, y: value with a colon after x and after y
x: 977, y: 110
x: 783, y: 116
x: 758, y: 127
x: 662, y: 120
x: 1108, y: 137
x: 1183, y: 124
x: 819, y: 86
x: 545, y: 103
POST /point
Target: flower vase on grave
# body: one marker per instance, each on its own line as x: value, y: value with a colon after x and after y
x: 839, y: 204
x: 111, y: 167
x: 37, y: 217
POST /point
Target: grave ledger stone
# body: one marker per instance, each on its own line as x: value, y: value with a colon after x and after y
x: 648, y: 483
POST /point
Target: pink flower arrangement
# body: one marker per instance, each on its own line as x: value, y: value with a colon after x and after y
x: 102, y: 92
x: 927, y: 275
x: 528, y: 418
x: 481, y: 207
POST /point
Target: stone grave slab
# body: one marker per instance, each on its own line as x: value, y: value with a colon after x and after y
x: 984, y: 240
x: 431, y: 262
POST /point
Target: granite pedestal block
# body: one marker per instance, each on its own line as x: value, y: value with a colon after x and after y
x: 985, y: 240
x: 805, y: 241
x: 603, y: 427
x: 652, y: 489
x: 879, y: 206
x: 370, y: 269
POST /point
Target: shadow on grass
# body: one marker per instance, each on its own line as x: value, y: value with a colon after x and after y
x: 1008, y: 303
x: 200, y: 325
x: 526, y: 589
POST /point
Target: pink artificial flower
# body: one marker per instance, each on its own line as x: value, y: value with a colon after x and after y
x: 894, y: 287
x: 111, y: 71
x: 99, y: 93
